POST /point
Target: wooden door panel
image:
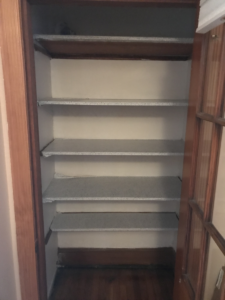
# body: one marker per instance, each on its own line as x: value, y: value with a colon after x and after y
x: 19, y: 82
x: 204, y: 127
x: 180, y: 291
x: 212, y: 70
x: 194, y: 253
x: 203, y: 159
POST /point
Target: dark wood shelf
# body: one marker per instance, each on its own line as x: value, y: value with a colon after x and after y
x: 157, y: 3
x: 104, y: 47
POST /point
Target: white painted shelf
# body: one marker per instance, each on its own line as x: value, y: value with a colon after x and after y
x: 115, y: 147
x: 70, y: 222
x: 113, y: 102
x: 113, y: 189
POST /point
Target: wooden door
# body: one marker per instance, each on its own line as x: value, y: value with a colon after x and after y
x: 16, y: 46
x: 202, y: 147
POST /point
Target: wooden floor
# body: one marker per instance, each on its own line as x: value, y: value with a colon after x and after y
x: 113, y: 284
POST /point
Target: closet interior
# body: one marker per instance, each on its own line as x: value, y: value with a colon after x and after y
x: 112, y: 106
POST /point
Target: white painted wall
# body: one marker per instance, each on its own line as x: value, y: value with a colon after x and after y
x: 216, y: 261
x: 219, y: 204
x: 9, y: 270
x: 119, y: 166
x: 45, y: 123
x: 119, y: 122
x: 216, y: 258
x: 120, y: 79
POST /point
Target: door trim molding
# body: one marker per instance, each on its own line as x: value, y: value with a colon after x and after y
x: 19, y: 84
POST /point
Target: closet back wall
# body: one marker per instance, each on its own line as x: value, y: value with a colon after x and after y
x: 98, y: 79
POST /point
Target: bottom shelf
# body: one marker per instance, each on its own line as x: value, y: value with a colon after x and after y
x: 70, y: 222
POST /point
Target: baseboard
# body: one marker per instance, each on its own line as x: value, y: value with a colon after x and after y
x: 78, y: 257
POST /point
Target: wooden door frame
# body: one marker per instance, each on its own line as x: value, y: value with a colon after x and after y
x: 182, y: 290
x: 189, y: 206
x: 21, y: 105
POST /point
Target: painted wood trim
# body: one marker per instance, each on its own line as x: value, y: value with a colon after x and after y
x: 212, y: 13
x: 20, y: 90
x: 34, y: 145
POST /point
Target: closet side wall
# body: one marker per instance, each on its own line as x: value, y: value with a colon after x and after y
x: 45, y: 121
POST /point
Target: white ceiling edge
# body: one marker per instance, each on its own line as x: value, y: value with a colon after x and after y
x: 202, y: 2
x: 211, y: 15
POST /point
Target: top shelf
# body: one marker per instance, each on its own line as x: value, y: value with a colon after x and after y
x: 111, y: 47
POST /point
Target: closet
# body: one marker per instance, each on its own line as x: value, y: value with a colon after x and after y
x: 116, y: 147
x: 116, y: 132
x: 112, y: 106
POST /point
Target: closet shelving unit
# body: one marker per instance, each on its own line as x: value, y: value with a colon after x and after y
x: 73, y: 195
x: 113, y: 188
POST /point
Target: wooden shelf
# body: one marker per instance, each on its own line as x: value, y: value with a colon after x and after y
x: 157, y: 3
x: 110, y: 47
x: 115, y: 147
x: 113, y: 102
x: 113, y: 189
x: 114, y: 222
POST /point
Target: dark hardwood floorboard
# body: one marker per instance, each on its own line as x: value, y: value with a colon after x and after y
x: 113, y: 284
